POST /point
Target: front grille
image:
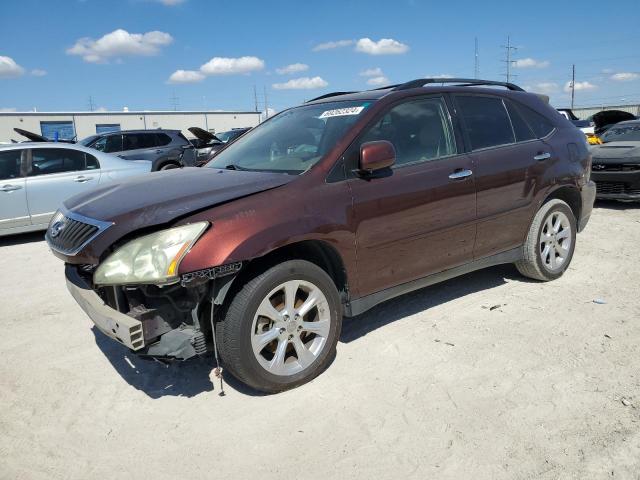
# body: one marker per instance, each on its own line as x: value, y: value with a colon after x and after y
x: 616, y: 188
x: 615, y: 167
x: 68, y: 235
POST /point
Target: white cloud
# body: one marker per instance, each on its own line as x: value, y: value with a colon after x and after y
x: 232, y: 66
x: 171, y: 3
x: 293, y: 68
x: 332, y: 45
x: 7, y: 109
x: 119, y: 43
x: 530, y: 63
x: 378, y: 81
x: 440, y: 75
x: 580, y: 86
x: 546, y: 88
x: 625, y: 76
x: 303, y: 83
x: 372, y: 72
x: 36, y: 72
x: 384, y: 46
x: 9, y: 68
x: 186, y: 76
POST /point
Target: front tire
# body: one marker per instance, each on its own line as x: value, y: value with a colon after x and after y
x: 550, y: 243
x: 281, y: 329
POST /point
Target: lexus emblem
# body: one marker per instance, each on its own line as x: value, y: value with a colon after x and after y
x: 55, y: 229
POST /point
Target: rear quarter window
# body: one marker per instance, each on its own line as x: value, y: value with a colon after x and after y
x: 486, y: 121
x: 538, y: 122
x: 162, y: 139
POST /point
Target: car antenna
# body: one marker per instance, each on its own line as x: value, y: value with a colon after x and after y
x: 217, y: 371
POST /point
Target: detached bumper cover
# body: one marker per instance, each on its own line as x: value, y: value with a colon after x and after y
x: 588, y: 194
x: 116, y: 325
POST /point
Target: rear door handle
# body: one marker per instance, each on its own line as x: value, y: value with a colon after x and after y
x: 9, y: 188
x: 460, y: 174
x: 82, y: 179
x: 542, y: 156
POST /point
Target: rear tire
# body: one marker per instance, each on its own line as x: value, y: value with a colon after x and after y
x: 548, y: 249
x: 281, y: 329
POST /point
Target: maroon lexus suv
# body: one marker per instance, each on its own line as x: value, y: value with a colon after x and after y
x: 324, y: 211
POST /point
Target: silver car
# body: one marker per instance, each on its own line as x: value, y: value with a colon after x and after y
x: 35, y: 178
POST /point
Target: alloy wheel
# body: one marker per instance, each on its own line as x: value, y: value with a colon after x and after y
x: 555, y: 241
x: 290, y: 327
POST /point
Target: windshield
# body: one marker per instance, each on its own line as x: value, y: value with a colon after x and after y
x: 88, y: 140
x: 292, y: 141
x: 622, y: 133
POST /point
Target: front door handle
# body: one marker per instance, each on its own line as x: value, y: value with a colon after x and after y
x: 9, y: 188
x: 460, y: 174
x: 82, y: 179
x: 542, y: 156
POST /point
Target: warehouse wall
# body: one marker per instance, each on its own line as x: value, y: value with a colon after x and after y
x: 85, y: 122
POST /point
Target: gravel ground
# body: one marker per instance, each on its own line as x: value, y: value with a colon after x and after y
x: 440, y: 383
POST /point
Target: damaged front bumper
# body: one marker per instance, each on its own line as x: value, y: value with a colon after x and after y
x: 146, y: 331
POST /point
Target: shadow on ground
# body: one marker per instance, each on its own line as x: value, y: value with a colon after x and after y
x: 616, y: 205
x: 21, y: 238
x: 192, y: 377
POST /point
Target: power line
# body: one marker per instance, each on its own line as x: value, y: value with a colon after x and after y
x: 92, y: 105
x: 175, y: 101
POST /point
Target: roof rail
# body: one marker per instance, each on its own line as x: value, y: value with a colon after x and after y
x: 327, y: 95
x: 467, y: 82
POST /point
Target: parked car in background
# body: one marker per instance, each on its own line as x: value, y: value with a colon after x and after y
x: 208, y: 144
x: 616, y: 163
x: 165, y: 149
x: 35, y: 178
x: 587, y: 126
x: 325, y: 210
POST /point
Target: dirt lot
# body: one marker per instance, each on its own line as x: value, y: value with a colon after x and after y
x: 436, y: 384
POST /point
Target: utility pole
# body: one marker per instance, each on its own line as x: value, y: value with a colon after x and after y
x: 255, y: 98
x: 573, y: 83
x: 509, y: 48
x: 476, y: 69
x: 92, y: 105
x: 266, y: 104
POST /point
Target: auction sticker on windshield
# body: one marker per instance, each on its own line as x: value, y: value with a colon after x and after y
x: 341, y: 112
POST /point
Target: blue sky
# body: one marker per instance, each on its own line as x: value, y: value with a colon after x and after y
x: 54, y: 55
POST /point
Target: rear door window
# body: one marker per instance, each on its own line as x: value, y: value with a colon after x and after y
x: 109, y: 144
x: 486, y: 121
x: 45, y: 161
x: 10, y: 164
x: 135, y: 141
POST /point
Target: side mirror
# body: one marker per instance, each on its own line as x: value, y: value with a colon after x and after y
x: 375, y: 156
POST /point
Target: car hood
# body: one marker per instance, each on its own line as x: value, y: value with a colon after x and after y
x: 203, y: 135
x: 616, y: 151
x: 161, y: 197
x: 605, y: 118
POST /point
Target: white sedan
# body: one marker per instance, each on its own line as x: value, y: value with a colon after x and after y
x: 35, y: 178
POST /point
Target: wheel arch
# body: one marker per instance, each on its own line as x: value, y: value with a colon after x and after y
x: 318, y: 252
x: 568, y: 194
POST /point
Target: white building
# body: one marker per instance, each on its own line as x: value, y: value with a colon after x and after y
x: 82, y: 124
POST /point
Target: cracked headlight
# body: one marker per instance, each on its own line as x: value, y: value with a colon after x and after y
x: 152, y: 258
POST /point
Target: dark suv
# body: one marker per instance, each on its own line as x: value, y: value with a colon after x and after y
x: 325, y: 210
x: 166, y: 149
